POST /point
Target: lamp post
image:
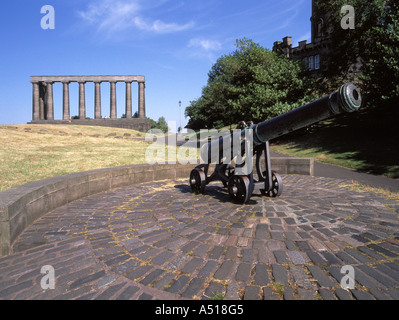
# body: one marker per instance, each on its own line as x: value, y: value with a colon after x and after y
x: 180, y: 128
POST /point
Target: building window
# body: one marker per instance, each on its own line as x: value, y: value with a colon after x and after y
x: 311, y: 63
x: 317, y: 62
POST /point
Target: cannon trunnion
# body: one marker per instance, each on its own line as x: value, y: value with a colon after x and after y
x: 253, y: 141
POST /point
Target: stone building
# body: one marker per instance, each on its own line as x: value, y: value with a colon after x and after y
x: 313, y: 54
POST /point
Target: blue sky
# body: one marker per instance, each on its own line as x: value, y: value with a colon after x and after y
x: 172, y: 43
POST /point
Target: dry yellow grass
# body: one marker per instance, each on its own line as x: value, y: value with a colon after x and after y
x: 52, y: 150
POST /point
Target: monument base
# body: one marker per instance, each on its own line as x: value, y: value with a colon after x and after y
x: 134, y: 123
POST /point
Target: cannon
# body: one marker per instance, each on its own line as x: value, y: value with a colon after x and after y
x: 233, y: 165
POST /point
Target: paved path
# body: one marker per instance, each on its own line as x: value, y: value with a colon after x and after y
x: 326, y: 170
x: 331, y: 171
x: 159, y: 241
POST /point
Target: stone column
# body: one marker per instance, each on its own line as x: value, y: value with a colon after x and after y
x: 128, y: 100
x: 141, y: 100
x: 97, y: 100
x: 35, y: 101
x: 82, y: 101
x: 49, y: 101
x: 42, y: 100
x: 113, y: 100
x: 65, y: 105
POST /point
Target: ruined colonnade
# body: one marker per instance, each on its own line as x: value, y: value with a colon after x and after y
x: 43, y: 104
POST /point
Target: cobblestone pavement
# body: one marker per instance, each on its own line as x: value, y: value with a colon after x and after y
x: 159, y: 241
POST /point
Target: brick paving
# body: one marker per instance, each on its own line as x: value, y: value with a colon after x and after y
x: 159, y: 241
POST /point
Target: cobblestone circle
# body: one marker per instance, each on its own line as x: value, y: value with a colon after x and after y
x: 159, y: 241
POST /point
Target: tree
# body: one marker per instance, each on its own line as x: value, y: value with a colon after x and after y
x: 381, y: 71
x: 161, y: 124
x: 252, y: 83
x: 374, y: 42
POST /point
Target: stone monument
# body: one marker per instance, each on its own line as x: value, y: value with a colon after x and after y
x: 43, y: 104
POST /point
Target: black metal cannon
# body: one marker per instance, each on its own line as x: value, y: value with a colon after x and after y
x: 254, y: 141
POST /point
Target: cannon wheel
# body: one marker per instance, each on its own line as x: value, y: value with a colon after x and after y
x: 238, y: 187
x: 277, y: 186
x: 197, y: 180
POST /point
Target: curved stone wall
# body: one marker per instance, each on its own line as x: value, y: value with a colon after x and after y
x: 22, y: 205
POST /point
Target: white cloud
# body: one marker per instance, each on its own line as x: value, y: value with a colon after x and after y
x: 110, y: 14
x: 123, y: 14
x: 207, y: 45
x: 159, y: 26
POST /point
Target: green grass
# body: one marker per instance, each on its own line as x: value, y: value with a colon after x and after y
x: 218, y: 296
x: 47, y: 151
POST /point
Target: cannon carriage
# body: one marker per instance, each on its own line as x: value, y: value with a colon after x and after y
x: 234, y: 165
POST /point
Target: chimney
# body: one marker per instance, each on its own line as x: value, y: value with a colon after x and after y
x: 287, y: 41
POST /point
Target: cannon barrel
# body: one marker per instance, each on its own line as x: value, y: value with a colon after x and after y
x: 255, y: 142
x: 347, y: 99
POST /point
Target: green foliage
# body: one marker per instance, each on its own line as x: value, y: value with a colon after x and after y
x: 374, y: 42
x: 161, y: 124
x: 381, y: 73
x: 252, y: 83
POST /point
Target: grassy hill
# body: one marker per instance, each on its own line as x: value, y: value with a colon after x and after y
x: 34, y: 152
